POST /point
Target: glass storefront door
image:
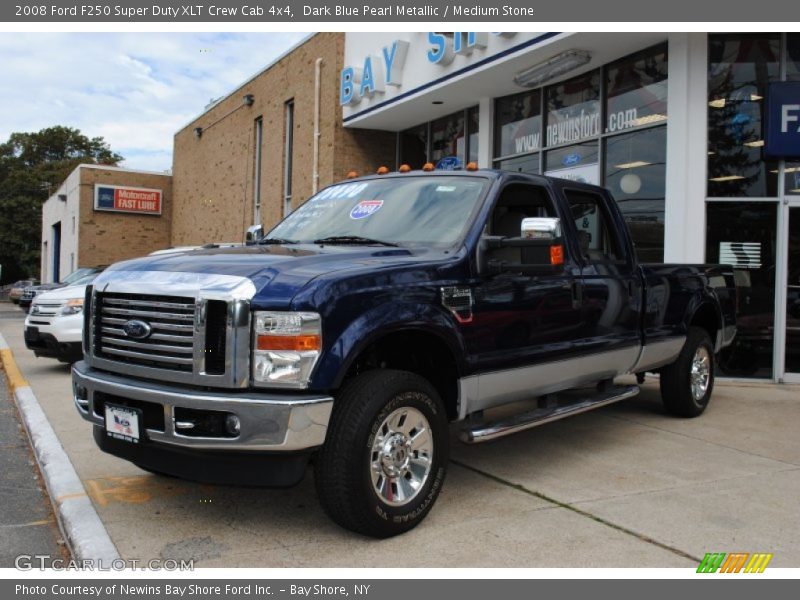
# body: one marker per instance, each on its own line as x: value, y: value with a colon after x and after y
x: 791, y: 326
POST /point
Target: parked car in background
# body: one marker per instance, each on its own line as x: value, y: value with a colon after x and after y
x: 17, y: 288
x: 184, y: 249
x: 32, y: 291
x: 54, y: 326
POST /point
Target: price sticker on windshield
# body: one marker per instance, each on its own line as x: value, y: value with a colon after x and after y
x: 365, y: 208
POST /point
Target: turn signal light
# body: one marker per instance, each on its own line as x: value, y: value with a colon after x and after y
x: 382, y: 170
x: 297, y: 343
x: 472, y: 166
x: 352, y: 174
x: 557, y: 255
x: 428, y: 167
x: 404, y: 168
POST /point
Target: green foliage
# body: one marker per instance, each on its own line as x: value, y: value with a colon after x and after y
x: 32, y: 166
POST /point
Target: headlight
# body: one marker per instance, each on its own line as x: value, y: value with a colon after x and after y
x: 286, y: 346
x: 72, y: 307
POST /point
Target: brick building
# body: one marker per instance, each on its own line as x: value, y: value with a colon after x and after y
x: 251, y: 158
x: 100, y: 215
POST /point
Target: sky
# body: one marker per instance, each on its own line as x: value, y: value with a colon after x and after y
x: 135, y: 90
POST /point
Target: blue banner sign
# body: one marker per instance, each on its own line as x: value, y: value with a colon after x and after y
x: 783, y: 120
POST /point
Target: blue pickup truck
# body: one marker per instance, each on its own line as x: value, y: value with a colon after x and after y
x: 383, y: 312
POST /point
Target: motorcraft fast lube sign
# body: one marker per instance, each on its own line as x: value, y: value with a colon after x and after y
x: 118, y: 198
x: 385, y: 67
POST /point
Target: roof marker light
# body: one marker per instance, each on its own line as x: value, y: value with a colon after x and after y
x: 472, y: 166
x: 351, y: 175
x: 404, y: 168
x: 382, y: 170
x: 428, y: 166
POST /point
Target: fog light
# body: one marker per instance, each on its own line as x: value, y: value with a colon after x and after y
x: 232, y: 424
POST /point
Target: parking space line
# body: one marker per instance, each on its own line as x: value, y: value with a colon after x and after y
x: 31, y: 524
x: 583, y: 513
x: 13, y: 374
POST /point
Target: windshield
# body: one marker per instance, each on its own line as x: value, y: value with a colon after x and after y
x: 86, y: 280
x: 407, y: 211
x: 77, y: 274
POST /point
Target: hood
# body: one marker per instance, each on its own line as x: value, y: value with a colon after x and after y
x: 43, y: 287
x: 71, y: 292
x: 278, y: 271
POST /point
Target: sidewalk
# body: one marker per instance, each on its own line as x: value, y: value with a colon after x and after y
x: 27, y: 523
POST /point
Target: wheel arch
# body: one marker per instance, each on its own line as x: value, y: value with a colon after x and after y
x: 707, y: 316
x: 425, y: 350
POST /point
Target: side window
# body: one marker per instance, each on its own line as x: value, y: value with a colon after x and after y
x: 597, y: 239
x: 519, y: 201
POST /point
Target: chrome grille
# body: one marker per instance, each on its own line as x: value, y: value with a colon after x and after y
x: 170, y: 345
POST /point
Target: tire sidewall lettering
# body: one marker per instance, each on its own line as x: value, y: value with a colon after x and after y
x: 417, y: 508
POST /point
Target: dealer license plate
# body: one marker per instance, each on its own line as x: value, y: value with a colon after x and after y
x: 122, y: 423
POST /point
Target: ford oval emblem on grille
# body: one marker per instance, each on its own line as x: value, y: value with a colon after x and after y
x: 137, y: 329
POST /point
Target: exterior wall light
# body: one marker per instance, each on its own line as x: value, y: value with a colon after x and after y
x: 552, y: 68
x: 249, y: 99
x: 198, y: 132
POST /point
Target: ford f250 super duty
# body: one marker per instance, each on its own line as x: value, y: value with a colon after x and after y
x: 376, y: 315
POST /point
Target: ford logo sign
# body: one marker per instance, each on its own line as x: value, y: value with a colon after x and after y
x: 448, y: 163
x: 571, y: 159
x: 137, y: 329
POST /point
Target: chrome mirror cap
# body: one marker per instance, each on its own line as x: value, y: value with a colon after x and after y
x: 541, y: 228
x: 254, y: 234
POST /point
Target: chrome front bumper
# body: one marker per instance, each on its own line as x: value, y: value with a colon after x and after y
x: 270, y: 422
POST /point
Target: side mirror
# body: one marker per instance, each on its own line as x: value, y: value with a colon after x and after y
x: 539, y: 249
x: 540, y: 228
x: 254, y: 234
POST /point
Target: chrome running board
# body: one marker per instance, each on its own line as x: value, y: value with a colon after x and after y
x: 484, y: 432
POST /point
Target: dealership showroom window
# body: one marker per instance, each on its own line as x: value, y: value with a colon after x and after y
x: 608, y: 126
x: 744, y: 191
x: 631, y: 94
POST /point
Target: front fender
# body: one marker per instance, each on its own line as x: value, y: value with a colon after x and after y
x: 378, y: 322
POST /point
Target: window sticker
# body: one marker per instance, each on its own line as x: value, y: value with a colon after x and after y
x: 446, y: 188
x: 365, y: 208
x: 347, y: 190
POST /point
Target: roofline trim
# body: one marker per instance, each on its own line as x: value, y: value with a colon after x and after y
x: 123, y: 169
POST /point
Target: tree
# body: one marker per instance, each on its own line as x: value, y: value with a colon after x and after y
x: 32, y: 166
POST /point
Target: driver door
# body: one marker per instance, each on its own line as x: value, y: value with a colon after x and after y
x: 522, y: 319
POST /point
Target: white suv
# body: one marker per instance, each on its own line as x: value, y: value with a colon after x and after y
x: 54, y: 326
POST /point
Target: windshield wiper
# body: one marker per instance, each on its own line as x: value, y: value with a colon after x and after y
x: 276, y: 241
x: 352, y: 239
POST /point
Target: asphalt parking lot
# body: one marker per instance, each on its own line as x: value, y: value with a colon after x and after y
x: 624, y: 486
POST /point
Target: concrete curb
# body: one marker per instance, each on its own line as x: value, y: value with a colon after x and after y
x: 86, y: 536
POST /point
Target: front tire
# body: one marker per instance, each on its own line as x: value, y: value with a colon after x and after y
x: 385, y: 457
x: 686, y: 384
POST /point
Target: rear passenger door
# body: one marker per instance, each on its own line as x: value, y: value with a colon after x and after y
x: 611, y: 285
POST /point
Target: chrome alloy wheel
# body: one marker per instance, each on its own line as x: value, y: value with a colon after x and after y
x: 402, y: 456
x: 701, y: 373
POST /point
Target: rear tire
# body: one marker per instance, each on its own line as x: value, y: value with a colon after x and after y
x: 686, y: 384
x: 385, y: 457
